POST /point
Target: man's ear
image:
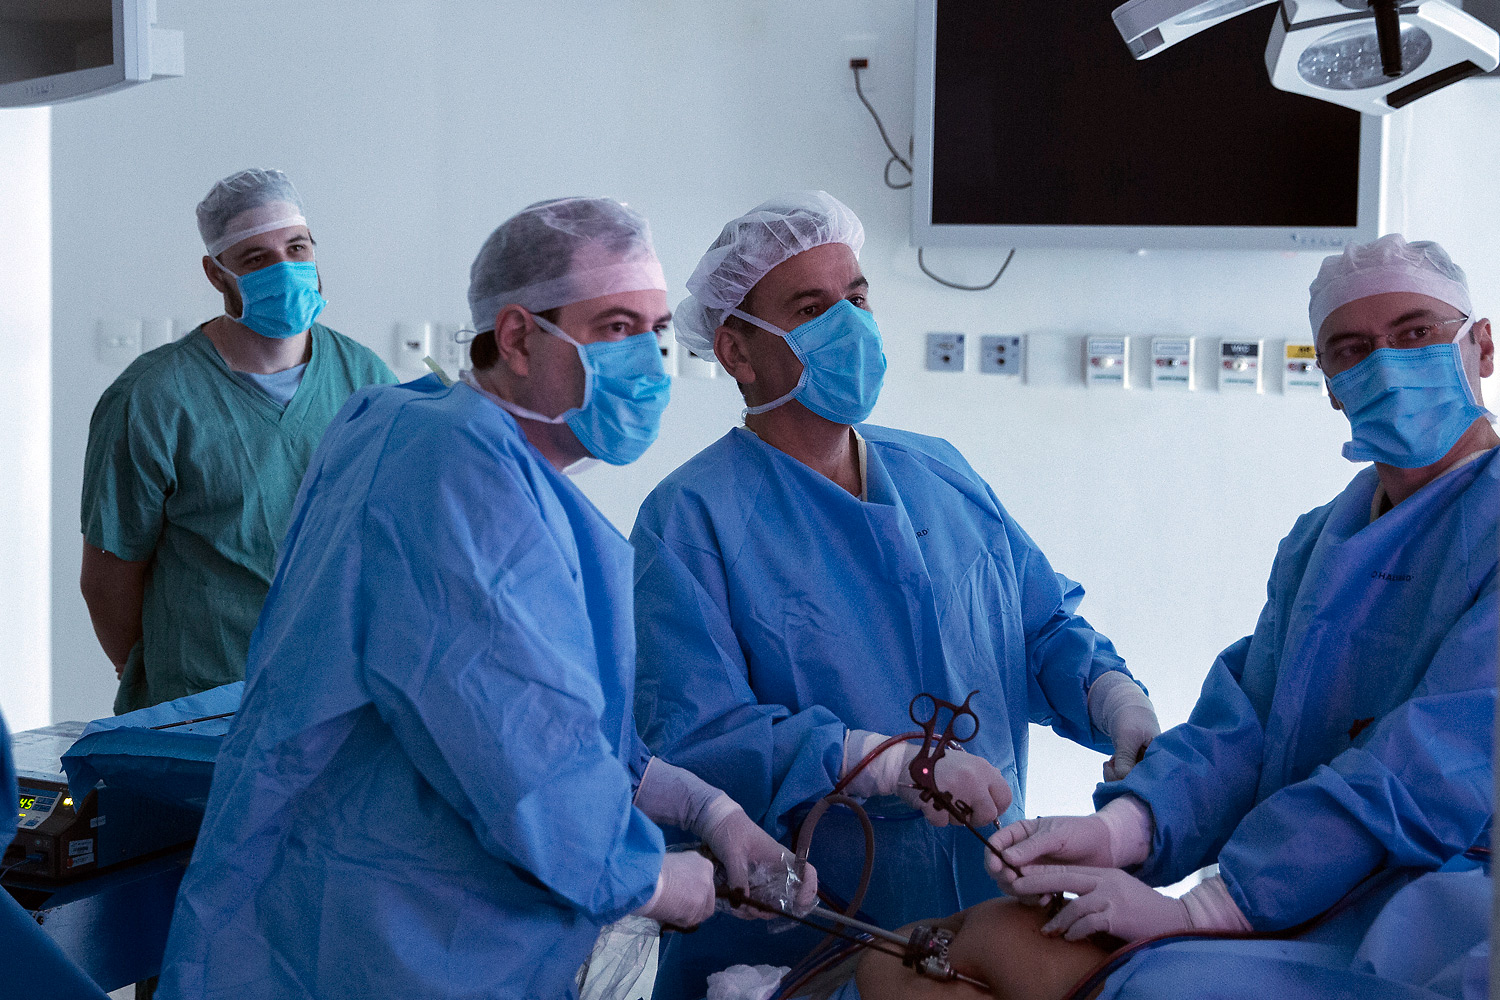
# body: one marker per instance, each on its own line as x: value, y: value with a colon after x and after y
x: 215, y: 276
x: 512, y: 326
x: 729, y: 348
x: 1485, y: 337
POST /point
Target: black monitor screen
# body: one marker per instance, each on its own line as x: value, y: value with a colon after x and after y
x: 1042, y: 118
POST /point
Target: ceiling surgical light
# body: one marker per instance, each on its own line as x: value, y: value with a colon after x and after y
x: 1375, y: 56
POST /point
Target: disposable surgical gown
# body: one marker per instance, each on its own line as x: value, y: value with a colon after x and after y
x: 427, y: 791
x: 1353, y: 731
x: 194, y: 468
x: 775, y: 611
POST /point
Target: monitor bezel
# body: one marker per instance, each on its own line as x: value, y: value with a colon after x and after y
x: 1372, y: 205
x: 131, y: 24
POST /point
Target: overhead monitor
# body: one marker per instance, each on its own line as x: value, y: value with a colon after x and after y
x: 60, y: 50
x: 1036, y: 128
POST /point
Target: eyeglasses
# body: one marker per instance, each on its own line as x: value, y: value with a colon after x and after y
x: 1348, y: 349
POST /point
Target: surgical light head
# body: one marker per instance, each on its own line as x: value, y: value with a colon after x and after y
x: 558, y: 252
x: 1374, y: 56
x: 1389, y: 264
x: 246, y: 204
x: 749, y: 247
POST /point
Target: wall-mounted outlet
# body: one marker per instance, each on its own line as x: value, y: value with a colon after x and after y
x: 945, y: 352
x: 1000, y: 355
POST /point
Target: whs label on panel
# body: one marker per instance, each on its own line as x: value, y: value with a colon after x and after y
x: 1172, y: 363
x: 1301, y: 374
x: 1239, y: 366
x: 1107, y: 362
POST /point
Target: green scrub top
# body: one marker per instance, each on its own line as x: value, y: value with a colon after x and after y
x: 195, y: 469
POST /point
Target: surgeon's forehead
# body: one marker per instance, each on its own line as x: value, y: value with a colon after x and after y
x: 831, y: 268
x: 1380, y: 313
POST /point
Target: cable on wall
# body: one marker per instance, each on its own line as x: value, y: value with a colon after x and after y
x: 905, y: 163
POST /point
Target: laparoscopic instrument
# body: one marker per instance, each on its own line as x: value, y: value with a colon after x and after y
x: 925, y: 950
x: 944, y: 726
x: 961, y: 727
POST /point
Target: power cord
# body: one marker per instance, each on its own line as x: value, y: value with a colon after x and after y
x: 856, y: 65
x: 967, y: 288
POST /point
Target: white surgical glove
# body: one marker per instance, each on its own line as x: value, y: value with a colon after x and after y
x: 1117, y: 836
x: 753, y: 861
x: 684, y: 894
x: 1116, y: 903
x: 969, y: 778
x: 1119, y: 707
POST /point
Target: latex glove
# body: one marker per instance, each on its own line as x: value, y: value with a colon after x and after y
x: 1108, y: 900
x: 1117, y: 836
x: 755, y: 862
x: 969, y: 778
x: 684, y: 894
x: 1119, y: 707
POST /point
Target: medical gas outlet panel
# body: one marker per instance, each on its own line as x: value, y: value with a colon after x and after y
x: 1228, y: 365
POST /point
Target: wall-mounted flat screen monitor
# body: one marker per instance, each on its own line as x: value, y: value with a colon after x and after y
x: 61, y: 50
x: 1036, y: 128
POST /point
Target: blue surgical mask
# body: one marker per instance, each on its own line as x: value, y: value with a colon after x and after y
x: 625, y: 391
x: 279, y: 301
x: 843, y: 363
x: 1408, y: 408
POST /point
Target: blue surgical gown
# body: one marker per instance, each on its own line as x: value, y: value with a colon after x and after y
x: 427, y: 791
x: 775, y: 611
x: 1353, y: 731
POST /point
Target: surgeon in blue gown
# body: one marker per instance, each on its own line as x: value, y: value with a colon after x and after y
x: 434, y: 787
x: 799, y: 581
x: 1337, y: 766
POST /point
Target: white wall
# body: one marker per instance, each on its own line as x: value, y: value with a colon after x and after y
x: 413, y: 128
x: 25, y: 415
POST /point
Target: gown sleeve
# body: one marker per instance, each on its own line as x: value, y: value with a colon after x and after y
x: 1415, y: 790
x: 127, y: 474
x: 1064, y: 654
x: 694, y: 703
x: 469, y: 656
x: 1201, y: 778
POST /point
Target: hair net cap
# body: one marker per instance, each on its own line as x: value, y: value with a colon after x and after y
x: 749, y: 247
x: 555, y: 253
x: 246, y: 204
x: 1389, y: 264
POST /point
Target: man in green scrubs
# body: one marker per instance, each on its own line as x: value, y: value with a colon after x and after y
x: 196, y: 452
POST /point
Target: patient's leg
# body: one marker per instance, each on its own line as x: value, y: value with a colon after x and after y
x: 999, y: 942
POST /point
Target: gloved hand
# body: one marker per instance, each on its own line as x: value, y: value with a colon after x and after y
x: 969, y: 778
x: 684, y: 894
x: 755, y: 862
x: 1119, y: 707
x: 1117, y: 836
x: 1108, y: 900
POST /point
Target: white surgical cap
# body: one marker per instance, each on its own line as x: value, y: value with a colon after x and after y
x: 247, y: 204
x: 555, y: 253
x: 751, y: 246
x: 1389, y: 264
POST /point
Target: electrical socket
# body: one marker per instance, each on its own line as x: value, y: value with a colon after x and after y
x: 1001, y: 355
x: 945, y: 352
x: 860, y: 50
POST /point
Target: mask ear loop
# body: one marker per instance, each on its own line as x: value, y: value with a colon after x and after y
x: 520, y: 411
x: 235, y: 278
x: 751, y: 411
